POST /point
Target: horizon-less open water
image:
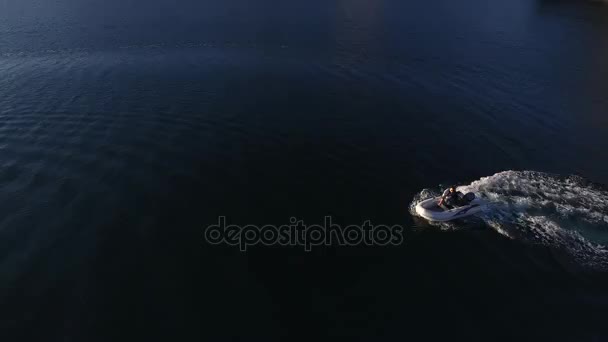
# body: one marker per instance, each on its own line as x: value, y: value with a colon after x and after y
x: 127, y: 127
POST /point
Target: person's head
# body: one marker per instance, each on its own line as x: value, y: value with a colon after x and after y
x: 452, y: 189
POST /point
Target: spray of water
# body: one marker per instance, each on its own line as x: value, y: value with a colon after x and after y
x: 564, y: 212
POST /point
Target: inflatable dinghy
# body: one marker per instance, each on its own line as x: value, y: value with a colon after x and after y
x: 430, y: 209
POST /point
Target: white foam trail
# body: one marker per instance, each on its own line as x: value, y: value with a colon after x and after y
x: 564, y: 212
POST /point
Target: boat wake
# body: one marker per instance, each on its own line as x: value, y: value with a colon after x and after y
x: 569, y: 213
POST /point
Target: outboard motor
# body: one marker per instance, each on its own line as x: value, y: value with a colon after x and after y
x: 468, y: 198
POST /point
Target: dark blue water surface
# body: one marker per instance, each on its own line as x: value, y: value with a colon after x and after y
x: 127, y: 127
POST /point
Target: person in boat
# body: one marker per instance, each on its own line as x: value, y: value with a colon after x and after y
x: 450, y: 198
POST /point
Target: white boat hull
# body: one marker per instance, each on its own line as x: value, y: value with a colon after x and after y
x: 430, y: 210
